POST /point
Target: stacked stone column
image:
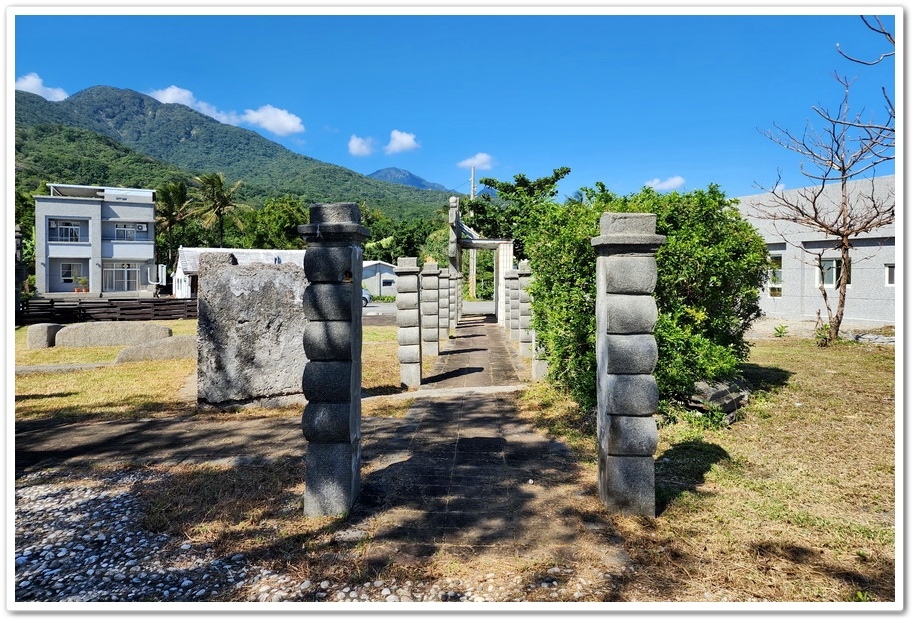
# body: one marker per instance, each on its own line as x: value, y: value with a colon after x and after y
x: 332, y: 341
x: 443, y: 302
x: 407, y: 300
x: 512, y: 304
x: 453, y: 297
x: 525, y: 332
x: 627, y: 353
x: 429, y: 308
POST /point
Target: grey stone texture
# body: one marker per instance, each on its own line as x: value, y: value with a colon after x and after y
x: 429, y: 308
x: 512, y: 288
x: 443, y: 302
x: 175, y: 347
x: 110, y: 333
x: 408, y: 299
x: 627, y: 353
x: 249, y: 333
x: 42, y: 335
x: 332, y: 345
x: 525, y: 331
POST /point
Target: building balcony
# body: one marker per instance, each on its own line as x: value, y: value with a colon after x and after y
x: 128, y: 249
x: 70, y: 249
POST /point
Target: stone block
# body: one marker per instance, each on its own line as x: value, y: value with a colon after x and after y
x: 326, y: 341
x: 334, y: 213
x: 406, y: 283
x: 626, y: 484
x: 408, y: 336
x: 430, y: 282
x: 409, y: 354
x: 628, y: 435
x: 328, y: 381
x: 628, y: 313
x: 411, y: 375
x: 42, y: 335
x: 331, y: 422
x: 630, y: 354
x: 331, y: 478
x: 430, y: 336
x: 408, y: 317
x: 632, y: 394
x: 630, y: 274
x: 175, y: 347
x: 110, y: 333
x: 430, y: 321
x: 407, y: 262
x: 330, y: 264
x: 407, y: 300
x: 327, y: 301
x: 430, y: 308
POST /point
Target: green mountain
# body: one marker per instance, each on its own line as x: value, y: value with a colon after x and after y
x: 176, y: 135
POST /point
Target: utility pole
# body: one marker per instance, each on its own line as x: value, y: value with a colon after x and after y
x: 472, y: 256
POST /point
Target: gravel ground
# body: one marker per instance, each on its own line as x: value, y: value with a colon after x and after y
x: 77, y: 540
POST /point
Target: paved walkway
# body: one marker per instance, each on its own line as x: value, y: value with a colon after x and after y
x: 461, y: 472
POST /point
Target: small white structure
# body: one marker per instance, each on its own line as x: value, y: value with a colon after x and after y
x: 378, y: 278
x: 184, y: 279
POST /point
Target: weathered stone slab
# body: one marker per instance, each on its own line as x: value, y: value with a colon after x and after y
x: 175, y: 347
x: 631, y: 354
x: 331, y: 478
x: 42, y: 335
x: 111, y: 333
x: 626, y: 484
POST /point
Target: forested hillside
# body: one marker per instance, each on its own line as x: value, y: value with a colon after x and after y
x: 195, y: 143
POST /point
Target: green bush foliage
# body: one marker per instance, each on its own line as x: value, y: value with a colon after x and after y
x: 710, y: 272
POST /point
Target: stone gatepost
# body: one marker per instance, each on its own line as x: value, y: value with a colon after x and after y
x: 443, y: 302
x: 332, y: 340
x: 452, y: 303
x: 525, y: 333
x: 407, y: 300
x: 627, y: 353
x: 429, y: 308
x: 538, y: 361
x: 512, y: 300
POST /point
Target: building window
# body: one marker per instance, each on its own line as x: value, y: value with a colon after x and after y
x: 829, y: 273
x: 125, y: 232
x: 70, y: 271
x: 774, y: 280
x: 387, y: 283
x: 121, y: 277
x: 65, y: 231
x: 890, y: 278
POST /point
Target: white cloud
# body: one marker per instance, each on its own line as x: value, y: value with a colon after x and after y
x: 34, y: 84
x: 360, y: 146
x: 280, y: 122
x: 478, y: 161
x: 270, y: 118
x: 669, y: 184
x: 401, y: 141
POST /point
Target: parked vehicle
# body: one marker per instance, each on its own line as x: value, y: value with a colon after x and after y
x: 367, y: 296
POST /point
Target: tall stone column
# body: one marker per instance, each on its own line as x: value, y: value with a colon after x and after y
x: 407, y: 300
x: 443, y: 303
x: 332, y: 340
x: 525, y: 333
x: 512, y: 304
x: 627, y: 354
x: 452, y: 303
x: 429, y: 308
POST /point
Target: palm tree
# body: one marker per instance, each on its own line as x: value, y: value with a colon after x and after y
x: 218, y: 200
x: 173, y: 207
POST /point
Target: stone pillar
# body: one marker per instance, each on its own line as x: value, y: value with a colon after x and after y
x: 443, y: 302
x: 507, y: 309
x: 525, y: 332
x: 429, y: 308
x: 538, y: 361
x: 512, y: 300
x: 626, y: 352
x: 407, y: 300
x: 452, y: 303
x: 332, y: 340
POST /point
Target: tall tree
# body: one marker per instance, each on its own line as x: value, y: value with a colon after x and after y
x: 847, y: 147
x: 173, y: 208
x: 217, y: 201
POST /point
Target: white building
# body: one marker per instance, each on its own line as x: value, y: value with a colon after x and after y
x: 378, y: 278
x: 793, y: 292
x: 101, y: 233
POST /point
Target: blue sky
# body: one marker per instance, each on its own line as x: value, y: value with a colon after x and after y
x: 674, y: 101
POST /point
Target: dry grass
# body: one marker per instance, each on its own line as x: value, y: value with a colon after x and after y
x: 795, y: 502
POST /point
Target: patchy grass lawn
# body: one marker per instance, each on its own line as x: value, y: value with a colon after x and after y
x: 795, y: 502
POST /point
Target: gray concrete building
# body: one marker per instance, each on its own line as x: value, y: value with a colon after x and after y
x: 793, y: 290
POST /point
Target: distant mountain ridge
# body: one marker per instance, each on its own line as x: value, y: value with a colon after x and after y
x: 401, y: 176
x: 182, y: 137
